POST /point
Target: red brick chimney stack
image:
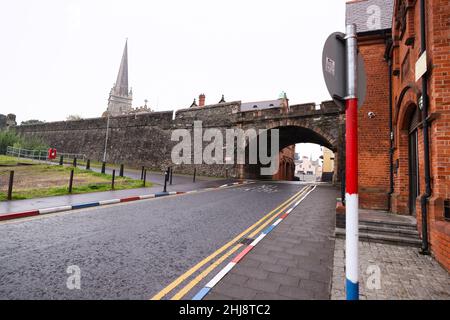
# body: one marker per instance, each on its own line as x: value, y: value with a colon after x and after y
x: 201, y: 100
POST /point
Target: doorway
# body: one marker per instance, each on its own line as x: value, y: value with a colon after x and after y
x: 413, y: 163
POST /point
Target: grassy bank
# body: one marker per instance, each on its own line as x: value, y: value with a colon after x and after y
x: 35, y: 180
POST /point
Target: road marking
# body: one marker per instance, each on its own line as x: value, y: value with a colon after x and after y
x: 205, y: 290
x: 58, y: 211
x: 207, y: 271
x: 188, y: 273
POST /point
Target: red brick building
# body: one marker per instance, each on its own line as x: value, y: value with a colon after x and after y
x: 286, y: 166
x: 395, y: 170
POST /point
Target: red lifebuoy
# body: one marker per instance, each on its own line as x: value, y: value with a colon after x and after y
x: 52, y: 153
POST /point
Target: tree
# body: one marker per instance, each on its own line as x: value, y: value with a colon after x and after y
x: 32, y: 121
x: 73, y: 117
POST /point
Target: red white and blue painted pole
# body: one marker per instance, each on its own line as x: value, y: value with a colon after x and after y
x: 351, y: 192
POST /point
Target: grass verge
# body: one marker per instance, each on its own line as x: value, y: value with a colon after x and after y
x: 41, y: 180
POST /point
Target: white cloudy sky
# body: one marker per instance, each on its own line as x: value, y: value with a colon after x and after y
x: 61, y: 57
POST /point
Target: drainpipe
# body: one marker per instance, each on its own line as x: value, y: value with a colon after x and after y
x: 426, y: 146
x: 391, y: 140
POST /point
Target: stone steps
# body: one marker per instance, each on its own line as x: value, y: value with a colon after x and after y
x: 390, y: 232
x: 389, y: 224
x: 409, y: 241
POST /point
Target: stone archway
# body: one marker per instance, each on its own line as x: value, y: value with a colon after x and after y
x: 291, y: 134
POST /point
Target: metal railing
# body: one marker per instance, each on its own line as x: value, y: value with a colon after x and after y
x: 39, y: 154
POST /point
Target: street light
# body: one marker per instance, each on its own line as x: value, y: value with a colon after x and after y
x: 106, y: 138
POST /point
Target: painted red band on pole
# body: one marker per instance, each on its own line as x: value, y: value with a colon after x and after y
x: 351, y: 131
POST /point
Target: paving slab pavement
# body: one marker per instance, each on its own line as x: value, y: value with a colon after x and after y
x: 294, y: 261
x: 390, y: 272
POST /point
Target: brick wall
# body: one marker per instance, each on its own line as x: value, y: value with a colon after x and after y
x: 405, y: 100
x: 373, y: 133
x: 286, y: 166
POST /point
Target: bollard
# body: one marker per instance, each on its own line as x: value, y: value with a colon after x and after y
x: 61, y: 160
x: 226, y: 173
x: 142, y: 173
x: 113, y: 178
x: 195, y: 172
x: 144, y: 176
x: 121, y: 170
x: 166, y: 177
x: 88, y: 164
x: 103, y: 167
x: 10, y: 185
x: 75, y: 162
x: 171, y: 175
x: 71, y: 181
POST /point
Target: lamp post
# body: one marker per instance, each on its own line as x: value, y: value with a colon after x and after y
x: 106, y: 137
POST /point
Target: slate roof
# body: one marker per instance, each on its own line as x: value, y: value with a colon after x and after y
x: 260, y: 105
x: 365, y: 13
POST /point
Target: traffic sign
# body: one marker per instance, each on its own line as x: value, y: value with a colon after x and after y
x: 334, y: 70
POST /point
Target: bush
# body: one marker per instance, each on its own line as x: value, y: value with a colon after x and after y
x: 7, y: 138
x: 10, y: 138
x: 31, y: 143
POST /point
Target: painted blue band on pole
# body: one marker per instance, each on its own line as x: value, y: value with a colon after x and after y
x: 201, y: 294
x: 85, y: 205
x: 352, y: 290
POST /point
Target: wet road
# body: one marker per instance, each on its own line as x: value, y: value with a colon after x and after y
x: 130, y: 250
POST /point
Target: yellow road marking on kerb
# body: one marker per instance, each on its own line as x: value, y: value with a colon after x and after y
x: 205, y: 273
x: 188, y: 273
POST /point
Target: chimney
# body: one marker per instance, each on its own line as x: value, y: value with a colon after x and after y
x: 201, y: 100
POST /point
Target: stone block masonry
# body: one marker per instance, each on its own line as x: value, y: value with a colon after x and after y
x: 145, y: 139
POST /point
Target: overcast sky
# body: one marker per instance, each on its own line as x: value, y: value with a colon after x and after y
x: 61, y: 57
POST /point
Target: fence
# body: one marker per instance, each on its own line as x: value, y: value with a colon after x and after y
x: 23, y: 181
x: 39, y: 154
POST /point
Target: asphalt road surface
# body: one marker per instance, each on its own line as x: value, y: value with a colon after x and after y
x: 129, y: 250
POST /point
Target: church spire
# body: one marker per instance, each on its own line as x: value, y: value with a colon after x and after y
x: 120, y: 98
x: 121, y: 86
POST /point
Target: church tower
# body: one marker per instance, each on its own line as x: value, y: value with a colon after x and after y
x: 120, y: 98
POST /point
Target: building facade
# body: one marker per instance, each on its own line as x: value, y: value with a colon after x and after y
x: 404, y: 124
x: 307, y: 169
x: 286, y: 165
x: 327, y: 165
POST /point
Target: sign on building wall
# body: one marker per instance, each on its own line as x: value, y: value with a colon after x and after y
x: 421, y: 66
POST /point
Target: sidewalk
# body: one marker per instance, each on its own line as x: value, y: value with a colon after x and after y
x: 404, y: 273
x: 57, y: 201
x: 294, y: 261
x: 155, y: 177
x: 301, y: 260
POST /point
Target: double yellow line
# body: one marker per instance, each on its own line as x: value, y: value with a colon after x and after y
x: 264, y: 221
